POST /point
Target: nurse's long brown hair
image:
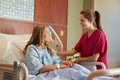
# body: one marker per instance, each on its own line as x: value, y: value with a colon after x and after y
x: 37, y: 38
x: 93, y: 16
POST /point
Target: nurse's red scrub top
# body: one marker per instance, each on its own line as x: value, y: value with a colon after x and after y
x: 96, y: 43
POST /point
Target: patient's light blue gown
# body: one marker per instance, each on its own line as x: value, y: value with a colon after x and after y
x: 35, y: 59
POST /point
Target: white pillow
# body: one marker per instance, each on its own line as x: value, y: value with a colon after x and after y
x: 12, y: 47
x: 3, y: 45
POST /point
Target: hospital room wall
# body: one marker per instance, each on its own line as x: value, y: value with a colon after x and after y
x: 74, y: 29
x: 110, y: 10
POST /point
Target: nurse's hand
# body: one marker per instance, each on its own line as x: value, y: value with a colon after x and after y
x: 77, y: 61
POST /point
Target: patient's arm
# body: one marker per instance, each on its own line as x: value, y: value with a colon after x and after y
x: 47, y: 68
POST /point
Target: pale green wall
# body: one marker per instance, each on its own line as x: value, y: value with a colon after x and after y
x: 74, y: 29
x: 110, y: 11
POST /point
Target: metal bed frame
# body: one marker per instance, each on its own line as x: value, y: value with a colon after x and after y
x: 18, y: 71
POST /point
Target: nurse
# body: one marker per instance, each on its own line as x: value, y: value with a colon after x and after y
x: 92, y: 45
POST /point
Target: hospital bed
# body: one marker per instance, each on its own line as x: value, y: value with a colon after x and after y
x: 11, y: 67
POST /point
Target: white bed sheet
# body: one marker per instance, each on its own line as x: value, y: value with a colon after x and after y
x: 75, y: 73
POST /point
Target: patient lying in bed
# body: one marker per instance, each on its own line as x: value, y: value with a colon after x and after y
x: 44, y: 63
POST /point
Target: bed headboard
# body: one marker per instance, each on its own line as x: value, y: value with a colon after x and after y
x: 19, y: 33
x: 18, y: 30
x: 10, y: 26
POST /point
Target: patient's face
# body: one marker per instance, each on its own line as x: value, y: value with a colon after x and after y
x: 46, y: 34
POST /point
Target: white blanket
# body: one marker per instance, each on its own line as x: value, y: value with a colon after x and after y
x: 77, y: 72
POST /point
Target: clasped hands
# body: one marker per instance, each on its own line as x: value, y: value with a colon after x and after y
x: 67, y: 64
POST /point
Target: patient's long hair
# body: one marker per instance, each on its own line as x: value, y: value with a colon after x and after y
x: 37, y: 38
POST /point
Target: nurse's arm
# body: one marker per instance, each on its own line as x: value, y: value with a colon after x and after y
x: 92, y: 58
x: 67, y: 53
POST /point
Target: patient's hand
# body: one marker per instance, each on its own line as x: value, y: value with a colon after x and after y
x: 62, y: 66
x: 69, y: 63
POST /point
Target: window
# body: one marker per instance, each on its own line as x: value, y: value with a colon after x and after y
x: 17, y: 9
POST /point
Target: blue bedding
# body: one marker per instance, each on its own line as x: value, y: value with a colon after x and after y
x: 76, y: 72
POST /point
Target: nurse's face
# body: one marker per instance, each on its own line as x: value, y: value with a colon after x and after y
x: 85, y: 23
x: 46, y: 34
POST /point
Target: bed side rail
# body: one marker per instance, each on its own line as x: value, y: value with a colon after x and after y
x: 108, y: 72
x: 20, y: 71
x: 6, y: 71
x: 15, y: 71
x: 92, y: 65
